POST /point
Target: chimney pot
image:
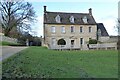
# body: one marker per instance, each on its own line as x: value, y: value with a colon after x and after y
x: 45, y: 8
x: 90, y: 11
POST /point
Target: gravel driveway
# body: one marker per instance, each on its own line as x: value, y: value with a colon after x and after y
x: 7, y: 51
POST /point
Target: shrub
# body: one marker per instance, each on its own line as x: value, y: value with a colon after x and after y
x: 92, y: 41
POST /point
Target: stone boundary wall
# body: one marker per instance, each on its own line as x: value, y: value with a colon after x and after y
x: 8, y: 39
x: 105, y: 46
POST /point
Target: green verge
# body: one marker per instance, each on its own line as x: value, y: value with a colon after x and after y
x: 40, y: 62
x: 5, y: 43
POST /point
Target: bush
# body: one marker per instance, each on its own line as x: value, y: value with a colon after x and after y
x: 92, y: 41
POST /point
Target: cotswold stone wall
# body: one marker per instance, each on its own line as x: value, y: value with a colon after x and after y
x: 105, y: 46
x: 8, y: 39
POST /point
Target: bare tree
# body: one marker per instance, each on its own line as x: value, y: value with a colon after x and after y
x: 16, y: 14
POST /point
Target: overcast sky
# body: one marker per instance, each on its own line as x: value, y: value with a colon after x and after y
x: 105, y: 12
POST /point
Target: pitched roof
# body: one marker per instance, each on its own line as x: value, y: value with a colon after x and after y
x: 102, y: 28
x: 49, y: 18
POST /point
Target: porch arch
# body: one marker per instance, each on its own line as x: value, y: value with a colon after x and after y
x: 61, y: 42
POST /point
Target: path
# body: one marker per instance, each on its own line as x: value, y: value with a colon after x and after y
x: 8, y: 51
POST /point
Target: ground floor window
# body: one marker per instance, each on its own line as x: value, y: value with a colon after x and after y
x: 53, y: 41
x: 81, y: 41
x: 72, y: 42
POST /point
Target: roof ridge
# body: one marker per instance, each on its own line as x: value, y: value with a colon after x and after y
x: 66, y: 12
x: 99, y: 23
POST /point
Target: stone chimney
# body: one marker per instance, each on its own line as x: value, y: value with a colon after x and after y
x: 90, y: 11
x: 45, y: 8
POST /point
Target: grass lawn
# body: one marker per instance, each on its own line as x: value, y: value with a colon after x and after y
x: 39, y: 62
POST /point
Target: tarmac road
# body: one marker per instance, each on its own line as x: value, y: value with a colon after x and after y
x: 7, y: 51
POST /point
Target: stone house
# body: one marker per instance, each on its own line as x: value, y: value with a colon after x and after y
x: 64, y: 30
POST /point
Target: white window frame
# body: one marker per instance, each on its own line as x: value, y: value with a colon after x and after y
x: 53, y: 29
x: 85, y: 19
x: 57, y: 19
x: 82, y: 41
x: 71, y: 29
x: 62, y: 29
x: 53, y: 41
x: 90, y: 29
x: 81, y: 29
x: 72, y: 20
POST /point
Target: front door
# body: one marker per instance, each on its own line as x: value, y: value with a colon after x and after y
x: 72, y: 43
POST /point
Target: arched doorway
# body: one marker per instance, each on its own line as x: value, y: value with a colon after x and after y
x: 61, y: 42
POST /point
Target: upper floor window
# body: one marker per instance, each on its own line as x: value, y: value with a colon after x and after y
x: 90, y: 29
x: 72, y: 19
x: 85, y: 19
x: 62, y: 29
x: 57, y: 18
x: 72, y: 29
x: 53, y: 29
x: 81, y: 29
